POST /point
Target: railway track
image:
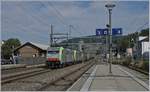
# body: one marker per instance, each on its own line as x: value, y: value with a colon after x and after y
x: 23, y: 74
x: 64, y: 82
x: 57, y: 79
x: 12, y: 69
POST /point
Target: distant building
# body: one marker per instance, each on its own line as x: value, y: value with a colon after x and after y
x: 30, y: 49
x: 2, y: 42
x: 129, y: 51
x: 142, y: 48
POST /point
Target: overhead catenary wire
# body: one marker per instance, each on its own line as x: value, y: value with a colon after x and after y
x: 141, y: 27
x: 29, y: 28
x: 35, y: 17
x: 134, y: 21
x: 25, y: 29
x: 58, y: 14
x: 61, y: 17
x: 40, y: 20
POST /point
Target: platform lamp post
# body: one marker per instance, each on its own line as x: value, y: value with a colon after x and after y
x: 109, y: 7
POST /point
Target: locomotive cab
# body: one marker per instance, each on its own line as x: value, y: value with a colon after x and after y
x: 53, y: 56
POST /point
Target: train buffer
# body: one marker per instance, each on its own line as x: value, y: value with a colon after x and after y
x: 98, y: 78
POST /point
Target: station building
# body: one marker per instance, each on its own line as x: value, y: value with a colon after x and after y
x: 30, y: 49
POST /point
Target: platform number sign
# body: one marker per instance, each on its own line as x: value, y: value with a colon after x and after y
x: 117, y: 31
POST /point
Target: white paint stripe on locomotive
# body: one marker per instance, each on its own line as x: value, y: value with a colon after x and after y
x: 136, y: 79
x: 87, y: 84
x: 76, y: 82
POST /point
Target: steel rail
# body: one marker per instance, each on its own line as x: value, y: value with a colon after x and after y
x: 23, y: 75
x: 64, y: 76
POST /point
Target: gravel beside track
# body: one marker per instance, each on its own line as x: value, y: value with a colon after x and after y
x: 65, y: 82
x: 16, y: 70
x: 45, y: 80
x: 7, y: 78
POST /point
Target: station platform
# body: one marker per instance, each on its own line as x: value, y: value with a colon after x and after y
x: 98, y: 78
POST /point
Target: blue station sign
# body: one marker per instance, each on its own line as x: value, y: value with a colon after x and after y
x: 117, y: 31
x: 103, y: 32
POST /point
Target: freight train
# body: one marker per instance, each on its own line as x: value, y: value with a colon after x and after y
x: 60, y: 57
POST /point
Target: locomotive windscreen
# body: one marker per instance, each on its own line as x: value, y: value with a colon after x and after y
x: 53, y: 52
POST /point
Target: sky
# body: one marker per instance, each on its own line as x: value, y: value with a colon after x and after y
x: 31, y: 20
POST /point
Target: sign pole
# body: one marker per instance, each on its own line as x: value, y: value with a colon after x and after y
x: 110, y: 6
x: 110, y: 41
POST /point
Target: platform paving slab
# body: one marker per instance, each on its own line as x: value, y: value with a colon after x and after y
x: 115, y: 81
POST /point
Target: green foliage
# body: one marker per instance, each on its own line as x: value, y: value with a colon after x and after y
x: 122, y: 42
x: 127, y: 61
x: 130, y: 39
x: 146, y: 65
x: 8, y: 46
x: 144, y: 32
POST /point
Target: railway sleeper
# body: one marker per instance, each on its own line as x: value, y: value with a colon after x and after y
x: 32, y: 82
x: 63, y: 83
x: 57, y: 80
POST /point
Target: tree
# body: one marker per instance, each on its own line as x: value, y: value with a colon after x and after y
x: 123, y: 44
x: 130, y: 39
x: 144, y: 32
x: 8, y: 46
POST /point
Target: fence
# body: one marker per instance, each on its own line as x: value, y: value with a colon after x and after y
x: 31, y: 60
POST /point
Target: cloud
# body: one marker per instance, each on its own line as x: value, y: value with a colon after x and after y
x: 31, y: 20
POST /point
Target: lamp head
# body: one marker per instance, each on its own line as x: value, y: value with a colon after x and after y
x: 110, y: 6
x: 108, y: 25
